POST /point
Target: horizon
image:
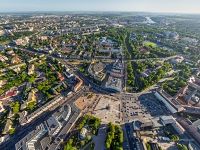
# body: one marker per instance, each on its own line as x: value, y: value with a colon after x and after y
x: 146, y: 6
x: 98, y: 12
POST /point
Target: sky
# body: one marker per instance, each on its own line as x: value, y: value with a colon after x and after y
x: 173, y: 6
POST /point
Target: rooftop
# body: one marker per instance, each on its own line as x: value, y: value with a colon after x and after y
x: 114, y: 83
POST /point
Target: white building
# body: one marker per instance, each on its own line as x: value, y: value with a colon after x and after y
x: 167, y: 103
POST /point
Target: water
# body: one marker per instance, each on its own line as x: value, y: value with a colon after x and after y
x: 149, y: 20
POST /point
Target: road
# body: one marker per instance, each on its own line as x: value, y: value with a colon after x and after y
x: 130, y: 138
x: 99, y: 140
x: 88, y: 82
x: 86, y: 60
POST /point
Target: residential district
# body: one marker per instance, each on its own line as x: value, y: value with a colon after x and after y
x: 99, y: 81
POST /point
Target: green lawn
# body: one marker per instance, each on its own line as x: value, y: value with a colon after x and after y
x: 149, y: 44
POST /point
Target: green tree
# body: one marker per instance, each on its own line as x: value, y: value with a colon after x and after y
x: 69, y: 146
x: 174, y: 138
x: 31, y: 79
x: 15, y: 107
x: 12, y: 131
x: 182, y: 147
x: 148, y: 146
x: 31, y: 106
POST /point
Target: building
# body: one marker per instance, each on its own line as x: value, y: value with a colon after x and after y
x: 1, y: 107
x: 8, y: 94
x: 68, y: 74
x: 2, y: 32
x: 189, y: 40
x: 2, y: 47
x: 169, y: 120
x: 2, y: 83
x: 60, y: 76
x: 22, y: 41
x: 3, y: 58
x: 43, y: 38
x: 7, y: 127
x: 192, y: 96
x: 114, y: 81
x: 173, y: 108
x: 83, y: 133
x: 171, y: 35
x: 31, y: 69
x: 58, y: 119
x: 15, y: 60
x: 158, y: 122
x: 196, y: 123
x: 4, y: 138
x: 117, y: 69
x: 78, y: 84
x: 31, y: 96
x: 96, y: 70
x: 177, y: 59
x: 41, y: 137
x: 24, y: 119
x: 34, y: 139
x: 114, y: 84
x: 104, y: 41
x: 194, y: 82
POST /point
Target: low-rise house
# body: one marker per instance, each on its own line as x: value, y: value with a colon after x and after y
x: 16, y: 60
x: 190, y: 40
x: 83, y: 133
x: 2, y: 48
x: 16, y: 69
x: 43, y: 38
x: 2, y: 32
x: 171, y: 35
x: 1, y: 107
x: 8, y: 94
x: 3, y: 58
x: 2, y: 83
x: 10, y: 52
x: 4, y: 138
x: 68, y: 74
x: 32, y: 96
x: 22, y: 41
x: 31, y: 69
x: 7, y: 127
x: 87, y: 55
x: 60, y: 76
x: 177, y: 59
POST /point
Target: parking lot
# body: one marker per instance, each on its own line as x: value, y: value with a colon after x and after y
x: 132, y: 109
x: 152, y: 105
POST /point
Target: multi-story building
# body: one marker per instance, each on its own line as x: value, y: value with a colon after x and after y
x: 41, y: 137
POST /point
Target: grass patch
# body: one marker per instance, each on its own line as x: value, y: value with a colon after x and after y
x: 149, y: 44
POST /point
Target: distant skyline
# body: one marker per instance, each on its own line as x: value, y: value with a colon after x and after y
x: 165, y: 6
